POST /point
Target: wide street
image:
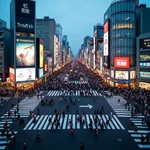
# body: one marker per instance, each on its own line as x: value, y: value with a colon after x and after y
x: 117, y: 135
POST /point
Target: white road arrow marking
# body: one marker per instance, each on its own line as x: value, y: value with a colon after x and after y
x: 90, y: 106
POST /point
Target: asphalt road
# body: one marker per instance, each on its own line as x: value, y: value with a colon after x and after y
x: 59, y: 139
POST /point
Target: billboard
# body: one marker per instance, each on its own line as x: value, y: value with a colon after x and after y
x: 121, y: 75
x: 11, y: 74
x: 25, y: 8
x: 55, y: 50
x: 40, y: 72
x: 132, y: 75
x: 144, y: 57
x: 144, y: 74
x: 41, y: 53
x: 25, y: 53
x: 145, y: 43
x: 121, y: 62
x: 25, y: 74
x: 49, y: 64
x: 106, y: 46
x: 25, y: 25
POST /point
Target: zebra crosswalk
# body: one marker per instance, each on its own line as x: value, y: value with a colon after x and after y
x: 66, y: 93
x: 42, y: 122
x: 26, y: 105
x: 78, y: 82
x: 142, y: 129
x: 3, y: 138
x: 119, y: 108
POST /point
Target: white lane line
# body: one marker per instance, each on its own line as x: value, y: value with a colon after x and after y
x: 88, y: 120
x: 28, y: 124
x: 110, y: 123
x: 91, y: 116
x: 69, y: 119
x: 108, y: 127
x: 73, y: 121
x: 143, y: 146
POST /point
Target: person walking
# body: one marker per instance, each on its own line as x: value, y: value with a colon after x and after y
x: 24, y: 146
x: 38, y: 136
x: 96, y: 133
x: 82, y: 147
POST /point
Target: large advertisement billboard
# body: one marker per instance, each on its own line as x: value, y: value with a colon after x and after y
x: 144, y: 74
x: 41, y: 53
x: 25, y: 8
x: 25, y: 53
x: 145, y: 43
x: 25, y: 74
x: 106, y: 41
x: 11, y: 74
x: 121, y: 75
x: 122, y: 62
x: 49, y: 64
x: 144, y: 57
x: 45, y: 67
x: 40, y: 72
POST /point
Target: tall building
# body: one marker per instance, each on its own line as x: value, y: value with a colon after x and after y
x: 98, y: 38
x: 119, y: 43
x: 59, y: 36
x: 23, y: 58
x: 64, y: 49
x: 143, y: 47
x: 4, y: 50
x: 45, y: 30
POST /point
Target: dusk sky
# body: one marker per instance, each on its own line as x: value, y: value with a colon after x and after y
x: 77, y: 17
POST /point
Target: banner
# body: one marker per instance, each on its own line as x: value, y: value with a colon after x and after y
x: 25, y: 53
x: 122, y: 62
x: 41, y: 53
x: 106, y: 39
x: 121, y: 75
x: 25, y: 74
x: 11, y: 74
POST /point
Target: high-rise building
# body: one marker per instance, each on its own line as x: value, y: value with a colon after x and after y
x: 143, y: 47
x: 59, y: 36
x: 45, y: 30
x: 4, y: 50
x: 98, y: 38
x: 23, y: 58
x: 119, y: 43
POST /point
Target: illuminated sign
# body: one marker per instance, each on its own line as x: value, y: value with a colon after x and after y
x: 25, y: 74
x: 144, y: 74
x: 25, y: 8
x: 144, y: 57
x: 11, y: 74
x: 49, y: 64
x: 45, y: 67
x: 121, y: 75
x: 121, y: 62
x: 25, y: 53
x: 145, y: 43
x: 41, y: 53
x: 144, y: 64
x: 106, y: 39
x: 112, y: 73
x: 40, y: 72
x: 55, y: 50
x: 132, y: 75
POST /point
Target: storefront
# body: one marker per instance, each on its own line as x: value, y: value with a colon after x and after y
x: 144, y: 85
x: 25, y: 85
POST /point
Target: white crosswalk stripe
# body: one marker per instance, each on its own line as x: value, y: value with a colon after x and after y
x: 3, y: 142
x: 119, y: 108
x: 25, y: 106
x: 67, y: 93
x: 42, y: 122
x: 142, y: 129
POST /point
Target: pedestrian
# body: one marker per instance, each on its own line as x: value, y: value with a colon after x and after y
x: 71, y: 132
x: 82, y: 146
x: 38, y: 136
x: 142, y: 139
x: 24, y: 146
x: 96, y: 133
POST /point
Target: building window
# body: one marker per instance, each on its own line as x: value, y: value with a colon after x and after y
x: 1, y: 33
x: 1, y: 63
x: 1, y: 69
x: 1, y: 39
x: 122, y: 26
x: 1, y: 57
x: 1, y: 52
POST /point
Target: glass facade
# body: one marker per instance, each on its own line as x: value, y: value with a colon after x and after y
x: 122, y: 30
